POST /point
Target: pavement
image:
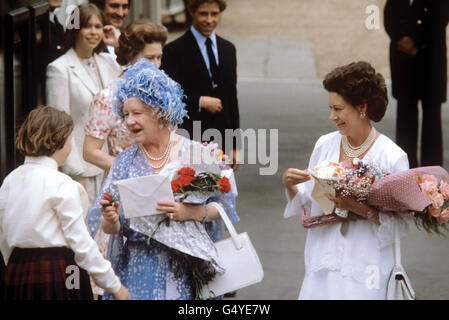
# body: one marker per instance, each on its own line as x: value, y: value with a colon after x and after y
x: 279, y: 87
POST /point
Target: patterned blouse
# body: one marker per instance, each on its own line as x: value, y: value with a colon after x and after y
x: 105, y: 125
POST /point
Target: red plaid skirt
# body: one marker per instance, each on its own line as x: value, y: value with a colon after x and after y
x: 44, y: 274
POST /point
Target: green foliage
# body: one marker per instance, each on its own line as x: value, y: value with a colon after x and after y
x: 424, y: 221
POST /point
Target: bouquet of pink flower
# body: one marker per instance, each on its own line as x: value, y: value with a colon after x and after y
x: 358, y: 178
x: 219, y: 155
x: 423, y: 190
x: 349, y: 178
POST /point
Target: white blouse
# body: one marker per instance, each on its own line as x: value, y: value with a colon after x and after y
x: 350, y: 247
x: 41, y: 207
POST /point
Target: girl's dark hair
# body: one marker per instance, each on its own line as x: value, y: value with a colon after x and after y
x: 44, y: 131
x: 135, y: 37
x: 358, y: 83
x: 86, y: 11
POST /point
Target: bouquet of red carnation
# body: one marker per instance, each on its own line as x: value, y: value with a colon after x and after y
x: 190, y: 187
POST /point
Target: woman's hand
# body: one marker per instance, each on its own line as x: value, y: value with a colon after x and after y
x: 359, y: 208
x: 178, y: 211
x: 111, y: 216
x: 122, y: 294
x: 292, y: 177
x: 110, y: 212
x: 111, y: 36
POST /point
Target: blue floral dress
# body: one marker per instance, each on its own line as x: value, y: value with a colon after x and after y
x: 145, y: 270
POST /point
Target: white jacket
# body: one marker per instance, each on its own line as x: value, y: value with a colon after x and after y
x: 70, y: 88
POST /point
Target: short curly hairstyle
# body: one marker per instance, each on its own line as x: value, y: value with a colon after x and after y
x: 135, y: 37
x: 359, y: 83
x: 44, y: 131
x: 192, y: 5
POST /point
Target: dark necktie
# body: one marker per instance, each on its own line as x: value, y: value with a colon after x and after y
x: 212, y: 62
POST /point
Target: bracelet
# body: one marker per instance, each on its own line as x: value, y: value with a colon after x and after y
x: 207, y: 214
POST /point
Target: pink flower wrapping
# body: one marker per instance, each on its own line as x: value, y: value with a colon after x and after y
x: 399, y: 191
x: 415, y: 190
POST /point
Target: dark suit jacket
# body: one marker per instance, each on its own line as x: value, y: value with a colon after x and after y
x: 183, y: 62
x: 423, y: 76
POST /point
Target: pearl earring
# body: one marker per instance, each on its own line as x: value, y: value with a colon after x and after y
x: 362, y: 115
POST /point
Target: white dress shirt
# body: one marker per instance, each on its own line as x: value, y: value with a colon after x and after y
x: 41, y: 207
x: 201, y: 41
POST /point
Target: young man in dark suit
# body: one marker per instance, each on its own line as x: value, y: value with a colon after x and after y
x: 205, y: 65
x: 417, y: 29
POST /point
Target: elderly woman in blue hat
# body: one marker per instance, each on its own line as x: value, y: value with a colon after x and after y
x: 167, y: 261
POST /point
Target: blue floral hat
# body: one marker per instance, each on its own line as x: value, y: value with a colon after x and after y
x: 154, y: 87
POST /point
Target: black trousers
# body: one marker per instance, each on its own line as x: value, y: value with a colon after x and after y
x: 407, y: 124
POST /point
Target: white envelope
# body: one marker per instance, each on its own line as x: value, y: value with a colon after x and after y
x: 139, y: 196
x: 320, y: 188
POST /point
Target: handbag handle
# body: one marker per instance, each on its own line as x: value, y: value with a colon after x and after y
x: 397, y: 246
x: 235, y: 239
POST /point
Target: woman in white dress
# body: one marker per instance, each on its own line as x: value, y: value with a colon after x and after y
x: 351, y: 259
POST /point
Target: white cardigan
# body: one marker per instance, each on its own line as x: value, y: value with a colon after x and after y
x: 70, y: 88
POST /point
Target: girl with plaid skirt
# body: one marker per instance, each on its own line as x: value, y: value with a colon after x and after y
x: 45, y: 244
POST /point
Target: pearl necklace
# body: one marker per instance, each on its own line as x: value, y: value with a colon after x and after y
x: 165, y: 156
x: 355, y: 152
x: 161, y: 157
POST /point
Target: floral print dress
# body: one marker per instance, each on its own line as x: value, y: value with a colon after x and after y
x: 105, y: 124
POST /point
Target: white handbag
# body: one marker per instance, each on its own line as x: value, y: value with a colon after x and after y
x: 399, y: 285
x: 240, y: 260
